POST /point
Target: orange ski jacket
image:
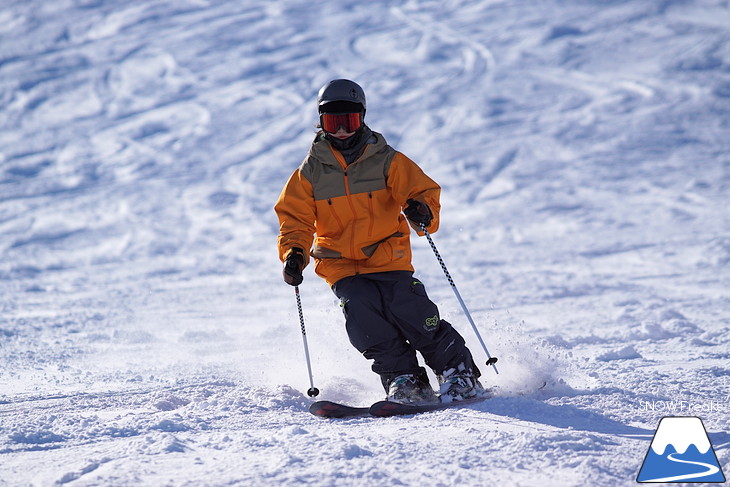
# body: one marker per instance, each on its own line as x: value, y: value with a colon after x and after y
x: 349, y: 218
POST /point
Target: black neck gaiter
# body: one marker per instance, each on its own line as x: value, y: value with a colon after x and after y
x: 352, y: 147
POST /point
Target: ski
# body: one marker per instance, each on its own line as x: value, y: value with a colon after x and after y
x: 384, y: 409
x: 329, y: 409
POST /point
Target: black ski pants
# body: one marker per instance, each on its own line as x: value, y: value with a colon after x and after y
x: 389, y: 317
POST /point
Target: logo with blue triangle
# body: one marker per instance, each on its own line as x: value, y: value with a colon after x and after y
x: 681, y: 452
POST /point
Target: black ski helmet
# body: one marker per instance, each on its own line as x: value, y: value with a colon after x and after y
x: 341, y: 93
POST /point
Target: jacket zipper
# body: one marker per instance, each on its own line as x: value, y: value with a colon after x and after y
x: 344, y: 166
x: 352, y: 209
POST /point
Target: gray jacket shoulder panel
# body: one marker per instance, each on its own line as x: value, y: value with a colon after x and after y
x: 369, y: 173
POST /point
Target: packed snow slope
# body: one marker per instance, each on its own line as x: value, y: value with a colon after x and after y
x: 146, y: 336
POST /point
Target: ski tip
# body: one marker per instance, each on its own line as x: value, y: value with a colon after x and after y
x: 319, y: 408
x: 329, y: 409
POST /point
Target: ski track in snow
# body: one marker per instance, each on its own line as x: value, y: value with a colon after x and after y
x: 146, y: 337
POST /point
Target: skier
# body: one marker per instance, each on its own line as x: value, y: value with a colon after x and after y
x: 342, y: 207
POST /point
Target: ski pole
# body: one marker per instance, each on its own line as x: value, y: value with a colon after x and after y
x: 491, y: 360
x: 313, y: 391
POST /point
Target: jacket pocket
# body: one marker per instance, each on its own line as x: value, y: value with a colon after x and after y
x: 387, y: 251
x: 370, y: 249
x: 319, y: 252
x: 336, y: 216
x: 371, y: 214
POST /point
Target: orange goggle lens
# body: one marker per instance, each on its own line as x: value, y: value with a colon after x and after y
x: 331, y: 122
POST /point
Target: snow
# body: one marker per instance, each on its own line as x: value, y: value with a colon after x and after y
x: 146, y: 336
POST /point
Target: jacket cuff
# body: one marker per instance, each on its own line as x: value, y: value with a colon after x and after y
x: 298, y: 250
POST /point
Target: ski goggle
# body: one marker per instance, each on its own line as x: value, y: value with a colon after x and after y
x: 331, y: 122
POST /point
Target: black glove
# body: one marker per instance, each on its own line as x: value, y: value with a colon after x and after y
x: 418, y: 212
x: 293, y: 267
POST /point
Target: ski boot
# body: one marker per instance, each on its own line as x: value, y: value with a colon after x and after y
x: 459, y: 383
x: 411, y: 389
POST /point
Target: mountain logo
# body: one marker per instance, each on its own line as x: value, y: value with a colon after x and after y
x: 680, y: 452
